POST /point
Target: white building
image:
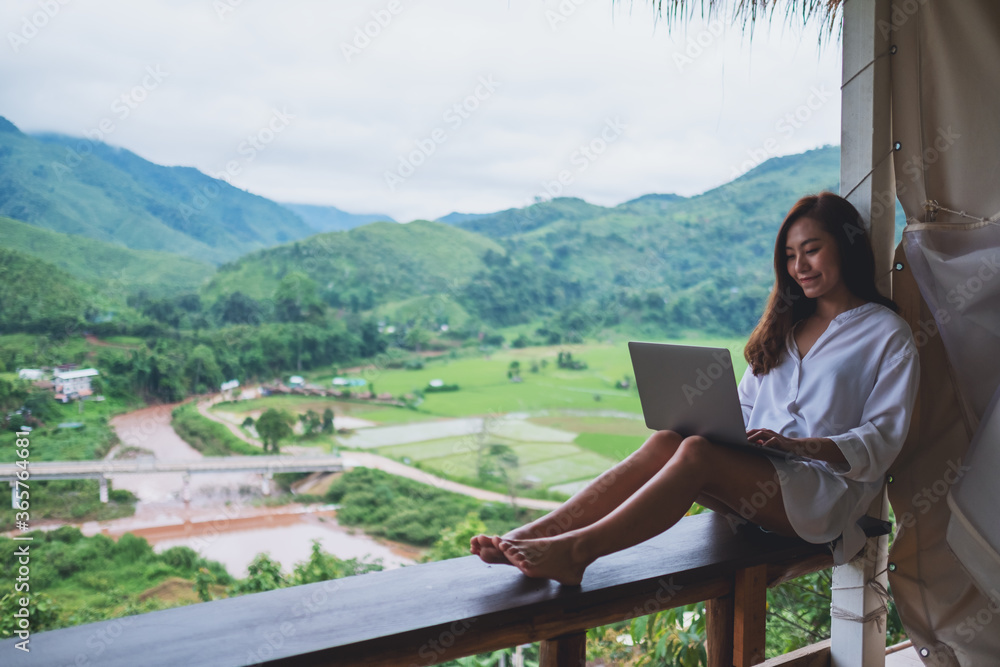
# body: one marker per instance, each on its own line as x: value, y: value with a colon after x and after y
x: 31, y: 374
x: 73, y: 384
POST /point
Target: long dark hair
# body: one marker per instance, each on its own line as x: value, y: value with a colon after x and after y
x: 788, y: 304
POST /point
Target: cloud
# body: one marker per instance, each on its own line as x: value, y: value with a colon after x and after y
x: 367, y: 83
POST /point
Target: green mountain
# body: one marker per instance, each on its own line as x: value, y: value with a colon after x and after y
x: 378, y: 263
x: 332, y: 219
x: 657, y: 263
x: 37, y: 296
x: 88, y: 188
x: 111, y: 269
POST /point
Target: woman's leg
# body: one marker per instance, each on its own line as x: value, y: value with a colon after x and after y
x: 699, y: 468
x: 600, y: 497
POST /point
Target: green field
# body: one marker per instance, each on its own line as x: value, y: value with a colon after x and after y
x: 300, y: 404
x: 567, y: 426
x: 486, y: 390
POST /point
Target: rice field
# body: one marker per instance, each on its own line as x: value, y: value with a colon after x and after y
x: 564, y: 427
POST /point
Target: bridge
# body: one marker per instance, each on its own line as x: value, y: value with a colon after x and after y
x: 102, y: 470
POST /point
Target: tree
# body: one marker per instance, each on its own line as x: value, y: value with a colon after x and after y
x: 454, y: 541
x: 323, y: 566
x: 310, y: 422
x: 297, y: 299
x: 274, y: 425
x: 416, y: 338
x: 202, y: 367
x: 500, y: 461
x: 238, y: 308
x: 263, y: 574
x: 327, y: 421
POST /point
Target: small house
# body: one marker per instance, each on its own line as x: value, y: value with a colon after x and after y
x: 73, y: 383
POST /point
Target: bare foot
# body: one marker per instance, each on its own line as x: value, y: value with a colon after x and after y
x: 486, y: 546
x: 482, y: 546
x: 554, y: 558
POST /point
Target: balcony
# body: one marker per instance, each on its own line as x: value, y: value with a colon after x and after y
x: 431, y: 613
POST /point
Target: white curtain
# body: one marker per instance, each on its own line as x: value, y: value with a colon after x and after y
x: 944, y: 572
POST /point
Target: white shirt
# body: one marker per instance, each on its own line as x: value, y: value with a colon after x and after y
x: 856, y: 386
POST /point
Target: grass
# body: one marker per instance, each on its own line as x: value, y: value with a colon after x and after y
x: 485, y: 388
x: 589, y: 424
x: 553, y: 398
x: 50, y: 443
x: 208, y: 437
x: 300, y: 404
x: 615, y: 447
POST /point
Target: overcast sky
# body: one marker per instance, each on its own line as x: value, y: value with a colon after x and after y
x: 416, y: 108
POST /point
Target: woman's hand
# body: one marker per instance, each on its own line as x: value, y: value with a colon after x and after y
x: 765, y: 437
x: 821, y: 449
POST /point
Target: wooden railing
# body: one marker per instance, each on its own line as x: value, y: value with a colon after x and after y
x: 431, y: 613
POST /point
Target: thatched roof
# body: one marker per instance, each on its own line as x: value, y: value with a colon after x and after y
x: 748, y: 12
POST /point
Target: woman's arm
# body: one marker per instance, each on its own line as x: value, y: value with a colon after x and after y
x: 821, y: 449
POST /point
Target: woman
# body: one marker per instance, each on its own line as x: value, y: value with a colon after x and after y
x: 832, y: 377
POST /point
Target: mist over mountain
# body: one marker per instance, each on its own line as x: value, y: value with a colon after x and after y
x: 332, y: 219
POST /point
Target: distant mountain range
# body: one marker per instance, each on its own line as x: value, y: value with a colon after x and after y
x: 87, y: 188
x: 332, y: 219
x: 121, y: 225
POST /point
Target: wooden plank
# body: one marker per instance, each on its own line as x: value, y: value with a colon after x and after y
x: 565, y: 651
x: 814, y: 655
x: 749, y: 616
x: 426, y: 614
x: 719, y: 631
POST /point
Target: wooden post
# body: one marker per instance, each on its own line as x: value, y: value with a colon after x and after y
x: 564, y: 651
x: 719, y: 631
x: 749, y: 616
x: 867, y: 180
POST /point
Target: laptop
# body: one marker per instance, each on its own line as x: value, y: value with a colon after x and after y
x: 692, y: 390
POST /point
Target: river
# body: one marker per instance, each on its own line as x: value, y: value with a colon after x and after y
x: 220, y: 521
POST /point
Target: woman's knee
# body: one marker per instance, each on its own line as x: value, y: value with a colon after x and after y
x: 664, y: 441
x: 695, y: 450
x: 660, y: 447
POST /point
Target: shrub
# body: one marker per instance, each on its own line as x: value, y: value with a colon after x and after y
x: 132, y: 549
x: 182, y: 558
x: 66, y: 534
